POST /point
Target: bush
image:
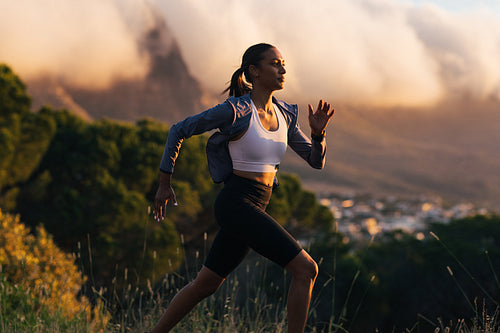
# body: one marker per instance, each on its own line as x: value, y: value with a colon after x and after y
x: 38, y: 280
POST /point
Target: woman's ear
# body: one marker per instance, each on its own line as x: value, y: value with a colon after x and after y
x: 254, y: 71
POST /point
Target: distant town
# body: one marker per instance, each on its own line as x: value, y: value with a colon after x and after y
x: 362, y: 217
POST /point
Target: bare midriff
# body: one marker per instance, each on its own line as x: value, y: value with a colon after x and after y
x: 266, y: 178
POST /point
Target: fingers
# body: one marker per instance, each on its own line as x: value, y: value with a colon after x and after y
x: 320, y: 105
x: 163, y: 195
x: 159, y: 211
x: 174, y: 200
x: 329, y: 111
x: 161, y: 214
x: 323, y: 107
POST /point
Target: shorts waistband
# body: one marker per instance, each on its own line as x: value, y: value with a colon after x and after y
x: 248, y: 188
x: 242, y: 180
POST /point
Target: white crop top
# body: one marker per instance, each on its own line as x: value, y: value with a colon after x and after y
x: 260, y: 150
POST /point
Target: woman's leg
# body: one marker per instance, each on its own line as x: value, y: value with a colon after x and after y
x: 259, y: 231
x: 266, y: 236
x: 205, y: 284
x: 304, y: 271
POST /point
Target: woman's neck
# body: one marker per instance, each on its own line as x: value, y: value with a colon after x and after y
x: 261, y: 99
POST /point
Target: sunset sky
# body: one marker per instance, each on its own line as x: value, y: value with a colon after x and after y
x: 381, y: 52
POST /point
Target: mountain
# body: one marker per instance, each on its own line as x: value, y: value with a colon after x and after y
x: 168, y: 92
x: 450, y: 150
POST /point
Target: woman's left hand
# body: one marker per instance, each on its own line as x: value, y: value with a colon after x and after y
x: 318, y: 120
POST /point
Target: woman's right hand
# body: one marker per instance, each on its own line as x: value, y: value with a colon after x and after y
x: 164, y: 193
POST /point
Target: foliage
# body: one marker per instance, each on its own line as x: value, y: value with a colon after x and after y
x: 13, y: 97
x: 24, y: 136
x: 249, y: 302
x: 442, y: 276
x: 38, y: 278
x: 94, y: 180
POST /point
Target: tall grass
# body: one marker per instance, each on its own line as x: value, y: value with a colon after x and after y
x: 236, y: 306
x: 481, y: 323
x: 21, y: 312
x: 253, y: 299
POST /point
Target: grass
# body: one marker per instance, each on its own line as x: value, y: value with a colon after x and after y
x: 481, y: 323
x: 252, y: 300
x: 236, y: 307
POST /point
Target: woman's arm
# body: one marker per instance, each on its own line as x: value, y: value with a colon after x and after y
x: 219, y: 116
x: 313, y: 151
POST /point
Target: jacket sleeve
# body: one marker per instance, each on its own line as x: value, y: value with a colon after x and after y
x: 219, y: 116
x: 313, y: 151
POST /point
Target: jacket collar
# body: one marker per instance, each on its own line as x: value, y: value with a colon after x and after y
x: 284, y: 107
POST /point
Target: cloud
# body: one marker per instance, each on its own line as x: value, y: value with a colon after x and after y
x: 380, y: 53
x: 373, y: 52
x: 466, y: 46
x: 85, y: 43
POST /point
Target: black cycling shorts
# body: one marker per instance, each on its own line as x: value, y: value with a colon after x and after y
x: 244, y: 225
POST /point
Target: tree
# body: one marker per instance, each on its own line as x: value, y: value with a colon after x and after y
x: 439, y: 277
x: 91, y: 188
x: 24, y: 136
x: 13, y: 97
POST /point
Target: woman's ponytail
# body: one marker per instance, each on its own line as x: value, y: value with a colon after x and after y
x: 241, y: 79
x: 238, y: 85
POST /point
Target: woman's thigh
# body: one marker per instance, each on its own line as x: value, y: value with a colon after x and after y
x: 226, y: 253
x: 256, y: 229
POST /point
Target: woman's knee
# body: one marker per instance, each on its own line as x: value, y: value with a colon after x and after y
x: 303, y: 266
x: 312, y: 269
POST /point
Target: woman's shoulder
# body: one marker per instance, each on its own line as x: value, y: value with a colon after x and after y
x: 239, y: 109
x: 241, y: 104
x: 292, y: 109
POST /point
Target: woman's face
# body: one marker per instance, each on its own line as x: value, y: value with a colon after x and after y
x: 270, y: 73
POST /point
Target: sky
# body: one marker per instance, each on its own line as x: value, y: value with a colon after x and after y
x: 382, y: 53
x: 462, y: 5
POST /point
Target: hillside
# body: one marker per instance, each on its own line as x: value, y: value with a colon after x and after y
x: 451, y: 151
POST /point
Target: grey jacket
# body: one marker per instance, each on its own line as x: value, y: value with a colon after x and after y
x: 232, y: 117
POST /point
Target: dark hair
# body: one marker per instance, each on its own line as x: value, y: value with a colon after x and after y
x: 252, y: 56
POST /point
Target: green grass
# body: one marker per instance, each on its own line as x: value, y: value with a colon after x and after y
x: 20, y: 312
